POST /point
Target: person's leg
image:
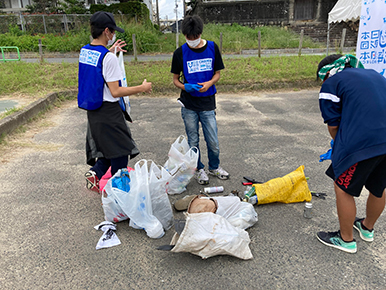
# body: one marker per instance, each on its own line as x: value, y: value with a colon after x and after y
x: 191, y: 119
x: 209, y: 128
x: 374, y: 209
x: 95, y: 174
x: 118, y: 163
x: 346, y: 208
x: 101, y: 167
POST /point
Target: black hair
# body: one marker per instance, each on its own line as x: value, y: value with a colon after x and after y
x: 97, y: 31
x: 192, y: 26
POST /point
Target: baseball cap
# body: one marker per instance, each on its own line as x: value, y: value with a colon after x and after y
x: 103, y: 19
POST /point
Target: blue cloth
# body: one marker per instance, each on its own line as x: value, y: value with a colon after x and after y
x: 190, y: 88
x: 209, y: 127
x: 90, y: 77
x: 199, y: 67
x: 327, y: 155
x: 122, y: 181
x: 355, y: 100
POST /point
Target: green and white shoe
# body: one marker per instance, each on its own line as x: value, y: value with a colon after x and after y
x: 365, y: 235
x: 333, y: 239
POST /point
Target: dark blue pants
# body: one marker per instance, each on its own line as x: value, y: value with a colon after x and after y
x: 103, y: 164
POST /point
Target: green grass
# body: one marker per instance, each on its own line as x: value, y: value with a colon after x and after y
x: 244, y: 74
x: 9, y: 112
x: 150, y: 40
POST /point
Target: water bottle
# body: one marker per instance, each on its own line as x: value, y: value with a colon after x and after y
x: 308, y: 210
x: 250, y: 193
x: 253, y: 199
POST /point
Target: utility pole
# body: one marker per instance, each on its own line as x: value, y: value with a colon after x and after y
x: 156, y: 3
x: 176, y: 25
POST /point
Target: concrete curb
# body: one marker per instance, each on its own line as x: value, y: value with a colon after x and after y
x: 14, y: 121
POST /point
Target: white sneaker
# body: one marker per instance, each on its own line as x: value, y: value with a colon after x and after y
x: 220, y: 173
x: 202, y: 177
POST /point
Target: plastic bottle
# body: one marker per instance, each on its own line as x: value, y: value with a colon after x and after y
x: 250, y: 193
x: 253, y: 199
x: 308, y: 210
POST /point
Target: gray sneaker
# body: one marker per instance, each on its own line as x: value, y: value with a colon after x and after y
x: 220, y: 173
x: 201, y: 177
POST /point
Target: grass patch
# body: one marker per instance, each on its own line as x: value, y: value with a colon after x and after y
x: 250, y: 73
x: 150, y: 40
x: 9, y: 112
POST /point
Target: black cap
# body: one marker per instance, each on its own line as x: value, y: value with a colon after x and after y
x: 102, y: 19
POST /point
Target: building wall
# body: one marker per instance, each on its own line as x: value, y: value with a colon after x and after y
x: 253, y: 12
x: 243, y: 12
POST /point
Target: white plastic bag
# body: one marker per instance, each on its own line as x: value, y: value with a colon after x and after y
x: 182, y: 164
x: 208, y: 234
x: 240, y: 214
x: 136, y: 203
x: 111, y: 208
x: 124, y: 102
x: 162, y: 209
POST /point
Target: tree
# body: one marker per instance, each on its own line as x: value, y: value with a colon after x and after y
x: 72, y: 7
x: 42, y: 6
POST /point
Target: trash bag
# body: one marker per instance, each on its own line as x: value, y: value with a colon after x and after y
x: 136, y: 202
x: 106, y: 177
x: 113, y: 212
x: 208, y: 234
x: 238, y: 213
x: 290, y: 188
x: 162, y: 209
x: 182, y: 164
x: 124, y: 102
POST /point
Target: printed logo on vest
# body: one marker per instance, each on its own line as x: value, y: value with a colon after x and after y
x: 89, y: 57
x: 199, y: 65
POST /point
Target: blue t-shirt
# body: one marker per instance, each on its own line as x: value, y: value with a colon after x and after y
x: 355, y: 100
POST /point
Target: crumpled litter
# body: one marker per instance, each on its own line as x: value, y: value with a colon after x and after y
x: 109, y: 238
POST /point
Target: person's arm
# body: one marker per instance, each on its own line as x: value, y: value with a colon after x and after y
x: 333, y: 130
x: 208, y: 84
x: 117, y: 46
x: 117, y: 91
x: 177, y: 83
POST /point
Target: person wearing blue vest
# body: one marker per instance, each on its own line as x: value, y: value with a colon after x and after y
x: 200, y: 62
x: 352, y: 101
x: 108, y: 141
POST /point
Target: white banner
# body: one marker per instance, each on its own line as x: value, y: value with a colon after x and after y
x: 371, y: 45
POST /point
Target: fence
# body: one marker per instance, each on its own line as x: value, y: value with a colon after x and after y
x: 52, y: 23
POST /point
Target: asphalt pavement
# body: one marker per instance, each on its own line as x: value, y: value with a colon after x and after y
x: 48, y: 241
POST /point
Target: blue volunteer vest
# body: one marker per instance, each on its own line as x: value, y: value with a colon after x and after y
x: 198, y: 67
x: 90, y: 77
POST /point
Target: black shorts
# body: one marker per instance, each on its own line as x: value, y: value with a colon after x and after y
x: 370, y: 173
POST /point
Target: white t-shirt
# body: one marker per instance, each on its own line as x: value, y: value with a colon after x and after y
x: 111, y: 73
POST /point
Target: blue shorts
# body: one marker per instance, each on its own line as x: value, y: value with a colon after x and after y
x: 370, y: 173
